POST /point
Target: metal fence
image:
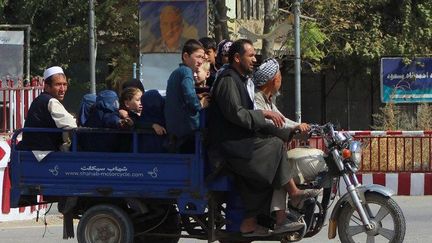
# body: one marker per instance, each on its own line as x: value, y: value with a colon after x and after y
x: 396, y: 151
x: 15, y: 100
x: 390, y: 151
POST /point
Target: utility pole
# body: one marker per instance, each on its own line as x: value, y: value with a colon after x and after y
x: 297, y: 60
x: 92, y: 49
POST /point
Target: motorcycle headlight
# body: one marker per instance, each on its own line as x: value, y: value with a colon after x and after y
x: 356, y: 153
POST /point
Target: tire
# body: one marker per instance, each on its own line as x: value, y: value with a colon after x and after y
x: 105, y: 223
x: 389, y: 225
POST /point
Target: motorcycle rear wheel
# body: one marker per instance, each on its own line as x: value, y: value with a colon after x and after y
x: 384, y: 214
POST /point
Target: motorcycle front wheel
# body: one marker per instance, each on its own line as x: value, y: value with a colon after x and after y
x: 384, y: 214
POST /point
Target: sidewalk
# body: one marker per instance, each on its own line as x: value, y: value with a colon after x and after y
x: 51, y: 220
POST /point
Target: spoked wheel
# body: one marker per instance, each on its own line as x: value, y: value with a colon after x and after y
x: 107, y: 224
x: 385, y: 216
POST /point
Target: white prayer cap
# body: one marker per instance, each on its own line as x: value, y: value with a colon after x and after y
x: 51, y: 71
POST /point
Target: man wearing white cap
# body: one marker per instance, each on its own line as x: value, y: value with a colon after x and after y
x: 46, y: 111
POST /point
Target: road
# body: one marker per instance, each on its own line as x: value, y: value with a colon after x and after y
x: 417, y: 211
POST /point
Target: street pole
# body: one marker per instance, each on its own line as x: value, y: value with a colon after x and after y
x: 297, y: 60
x: 92, y: 50
x: 28, y: 30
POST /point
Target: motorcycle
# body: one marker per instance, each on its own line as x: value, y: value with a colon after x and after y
x: 365, y: 213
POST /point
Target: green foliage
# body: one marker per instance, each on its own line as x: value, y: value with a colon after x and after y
x: 59, y: 33
x: 368, y: 30
x: 312, y: 44
x: 359, y: 32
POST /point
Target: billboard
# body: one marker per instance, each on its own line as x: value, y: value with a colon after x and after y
x: 11, y: 54
x: 403, y: 82
x: 164, y: 27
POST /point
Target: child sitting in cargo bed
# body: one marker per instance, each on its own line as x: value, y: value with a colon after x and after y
x: 148, y: 115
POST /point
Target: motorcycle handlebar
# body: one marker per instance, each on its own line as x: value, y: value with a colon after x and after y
x: 320, y: 130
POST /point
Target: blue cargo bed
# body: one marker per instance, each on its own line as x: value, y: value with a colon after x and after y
x: 102, y: 174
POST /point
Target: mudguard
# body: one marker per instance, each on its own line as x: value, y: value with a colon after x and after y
x: 346, y: 198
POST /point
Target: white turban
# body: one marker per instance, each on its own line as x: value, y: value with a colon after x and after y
x: 265, y: 72
x: 51, y: 71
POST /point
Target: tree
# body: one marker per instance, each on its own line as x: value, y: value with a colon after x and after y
x: 270, y: 20
x: 370, y: 29
x: 359, y: 32
x: 312, y: 36
x: 60, y: 32
x: 219, y: 16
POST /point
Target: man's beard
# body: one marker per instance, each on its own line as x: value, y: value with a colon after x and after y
x: 245, y: 69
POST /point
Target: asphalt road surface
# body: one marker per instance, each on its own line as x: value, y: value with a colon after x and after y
x: 417, y: 211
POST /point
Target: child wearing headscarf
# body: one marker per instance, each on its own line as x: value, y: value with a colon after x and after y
x: 86, y: 106
x: 104, y: 114
x: 222, y: 56
x: 153, y: 113
x: 222, y: 53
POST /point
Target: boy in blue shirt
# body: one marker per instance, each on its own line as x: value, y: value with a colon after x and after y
x: 182, y: 104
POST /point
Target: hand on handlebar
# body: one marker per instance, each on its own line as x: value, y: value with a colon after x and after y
x: 278, y: 119
x: 303, y: 127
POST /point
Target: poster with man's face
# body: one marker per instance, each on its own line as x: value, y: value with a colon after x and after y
x: 166, y: 25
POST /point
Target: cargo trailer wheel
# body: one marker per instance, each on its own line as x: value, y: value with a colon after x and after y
x: 105, y: 223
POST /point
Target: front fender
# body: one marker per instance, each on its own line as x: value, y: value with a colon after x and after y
x: 346, y: 198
